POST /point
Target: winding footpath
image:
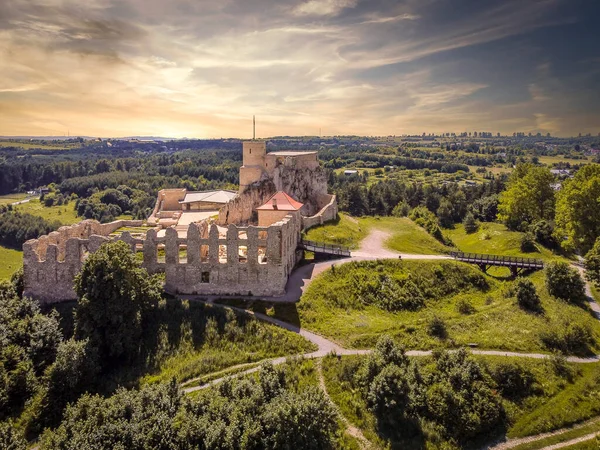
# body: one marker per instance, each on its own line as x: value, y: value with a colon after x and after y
x: 372, y: 248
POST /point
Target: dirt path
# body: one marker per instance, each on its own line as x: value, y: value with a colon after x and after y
x: 511, y: 443
x: 350, y: 429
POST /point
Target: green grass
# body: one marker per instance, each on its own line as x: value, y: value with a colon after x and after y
x: 65, y: 214
x: 555, y: 402
x: 496, y: 239
x: 595, y: 292
x: 405, y: 235
x: 12, y: 198
x: 345, y: 231
x: 563, y: 437
x: 331, y: 306
x: 12, y: 260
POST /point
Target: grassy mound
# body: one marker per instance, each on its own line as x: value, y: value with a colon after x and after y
x: 472, y: 308
x: 496, y: 239
x: 345, y: 231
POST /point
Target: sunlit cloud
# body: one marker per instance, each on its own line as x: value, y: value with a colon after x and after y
x: 202, y: 69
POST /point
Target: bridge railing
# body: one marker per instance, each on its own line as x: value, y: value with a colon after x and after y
x: 326, y: 248
x: 497, y: 260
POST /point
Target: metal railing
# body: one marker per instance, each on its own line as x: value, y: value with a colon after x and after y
x: 497, y: 260
x: 321, y: 247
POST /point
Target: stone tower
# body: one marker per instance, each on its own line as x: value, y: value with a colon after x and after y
x: 253, y: 163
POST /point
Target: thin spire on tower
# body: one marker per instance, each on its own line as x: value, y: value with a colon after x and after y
x: 253, y: 127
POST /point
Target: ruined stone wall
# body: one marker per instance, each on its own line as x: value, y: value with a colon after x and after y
x: 327, y: 213
x: 248, y: 261
x: 240, y: 210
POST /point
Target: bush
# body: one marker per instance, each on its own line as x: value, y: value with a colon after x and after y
x: 464, y: 307
x: 564, y: 282
x: 470, y: 224
x: 512, y: 379
x: 568, y: 338
x: 543, y: 231
x: 402, y: 209
x: 592, y: 263
x: 527, y: 296
x: 436, y: 327
x: 528, y: 243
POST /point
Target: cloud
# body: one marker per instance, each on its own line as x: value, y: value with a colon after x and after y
x: 323, y: 7
x: 202, y: 68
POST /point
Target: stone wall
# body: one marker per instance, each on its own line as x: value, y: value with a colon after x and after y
x: 241, y: 209
x: 327, y: 213
x: 247, y: 261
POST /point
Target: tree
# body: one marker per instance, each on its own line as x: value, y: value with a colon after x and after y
x: 528, y: 243
x: 68, y: 377
x: 592, y: 263
x: 470, y: 224
x: 529, y: 197
x: 564, y: 282
x: 114, y: 294
x: 444, y: 214
x: 527, y: 296
x: 577, y: 224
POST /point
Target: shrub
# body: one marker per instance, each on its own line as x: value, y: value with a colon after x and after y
x: 402, y: 209
x: 470, y: 224
x: 564, y: 282
x: 528, y: 243
x: 463, y: 306
x: 568, y: 338
x: 436, y: 327
x: 592, y: 263
x: 543, y: 231
x: 512, y: 379
x: 527, y: 296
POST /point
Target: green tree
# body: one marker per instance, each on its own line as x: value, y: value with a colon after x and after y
x: 592, y: 263
x: 470, y: 224
x: 577, y: 224
x: 10, y: 438
x: 529, y: 197
x: 114, y: 294
x: 527, y: 296
x: 72, y: 374
x: 564, y: 282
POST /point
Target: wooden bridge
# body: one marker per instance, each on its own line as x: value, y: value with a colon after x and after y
x: 324, y: 249
x: 514, y: 263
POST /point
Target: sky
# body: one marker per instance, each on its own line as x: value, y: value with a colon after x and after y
x: 199, y: 68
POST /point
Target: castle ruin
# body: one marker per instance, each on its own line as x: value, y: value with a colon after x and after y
x: 226, y: 251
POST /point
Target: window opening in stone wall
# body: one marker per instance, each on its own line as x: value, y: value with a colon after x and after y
x: 223, y: 254
x: 242, y: 234
x: 160, y: 254
x: 205, y: 278
x: 262, y: 234
x: 262, y: 255
x: 139, y: 252
x: 182, y: 249
x: 242, y: 253
x: 204, y: 253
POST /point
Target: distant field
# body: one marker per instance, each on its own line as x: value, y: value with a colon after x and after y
x: 12, y: 198
x: 10, y: 261
x: 556, y: 159
x: 27, y: 145
x: 65, y: 214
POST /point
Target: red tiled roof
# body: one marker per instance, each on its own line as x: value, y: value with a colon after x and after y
x: 280, y: 202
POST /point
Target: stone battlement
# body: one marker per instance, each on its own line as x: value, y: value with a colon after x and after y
x: 244, y: 261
